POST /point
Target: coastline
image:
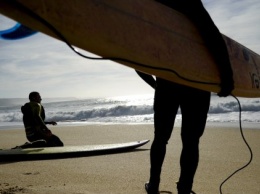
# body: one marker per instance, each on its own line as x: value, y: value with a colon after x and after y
x: 245, y: 125
x: 222, y: 151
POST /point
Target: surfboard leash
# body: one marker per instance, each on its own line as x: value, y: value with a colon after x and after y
x: 60, y: 35
x: 245, y: 141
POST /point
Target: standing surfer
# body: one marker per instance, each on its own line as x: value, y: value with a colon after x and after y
x: 194, y: 103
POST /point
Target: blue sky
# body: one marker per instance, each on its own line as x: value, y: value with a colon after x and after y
x: 47, y: 65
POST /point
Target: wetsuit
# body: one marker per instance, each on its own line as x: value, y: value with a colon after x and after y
x: 35, y: 128
x: 194, y: 103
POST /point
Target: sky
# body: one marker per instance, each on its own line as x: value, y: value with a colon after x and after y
x: 41, y: 63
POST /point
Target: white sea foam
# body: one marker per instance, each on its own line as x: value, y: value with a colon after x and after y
x: 127, y: 109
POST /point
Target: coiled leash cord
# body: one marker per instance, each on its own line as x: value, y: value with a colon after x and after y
x: 244, y: 139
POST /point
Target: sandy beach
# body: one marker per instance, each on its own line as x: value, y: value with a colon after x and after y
x: 222, y: 151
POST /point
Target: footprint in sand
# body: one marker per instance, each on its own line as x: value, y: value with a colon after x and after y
x: 5, y: 189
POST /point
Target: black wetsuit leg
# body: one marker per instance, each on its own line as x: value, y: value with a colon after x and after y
x: 166, y: 104
x: 53, y: 141
x: 194, y: 108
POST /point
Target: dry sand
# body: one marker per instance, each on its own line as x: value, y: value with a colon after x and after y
x: 222, y: 152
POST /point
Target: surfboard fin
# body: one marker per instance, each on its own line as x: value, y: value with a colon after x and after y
x: 17, y: 32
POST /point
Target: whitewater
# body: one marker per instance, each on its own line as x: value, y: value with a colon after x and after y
x: 124, y: 110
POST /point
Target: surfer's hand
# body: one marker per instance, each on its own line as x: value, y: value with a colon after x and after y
x: 226, y: 88
x: 53, y: 123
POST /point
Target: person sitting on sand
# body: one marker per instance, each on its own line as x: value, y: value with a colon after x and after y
x: 35, y: 126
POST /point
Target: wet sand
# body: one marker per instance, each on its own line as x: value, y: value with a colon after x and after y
x: 222, y: 151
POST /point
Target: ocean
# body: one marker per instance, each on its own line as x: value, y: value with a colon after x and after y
x: 124, y: 110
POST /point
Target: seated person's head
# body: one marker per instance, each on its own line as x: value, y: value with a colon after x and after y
x: 35, y: 97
